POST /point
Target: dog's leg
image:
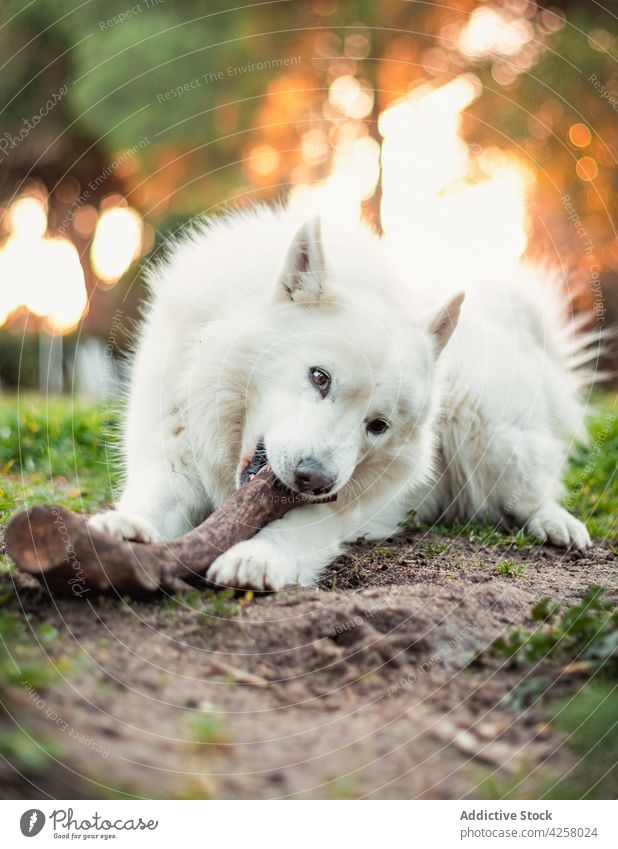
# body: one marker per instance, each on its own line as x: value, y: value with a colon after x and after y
x: 162, y: 497
x: 551, y: 522
x: 292, y: 550
x: 154, y: 506
x: 506, y: 473
x: 530, y: 490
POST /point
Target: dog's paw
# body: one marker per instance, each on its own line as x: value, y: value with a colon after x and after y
x: 254, y: 564
x: 125, y: 526
x: 554, y: 523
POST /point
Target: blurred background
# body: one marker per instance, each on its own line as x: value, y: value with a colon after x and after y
x: 473, y: 133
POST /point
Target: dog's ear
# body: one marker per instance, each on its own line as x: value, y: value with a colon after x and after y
x: 304, y: 272
x: 442, y: 324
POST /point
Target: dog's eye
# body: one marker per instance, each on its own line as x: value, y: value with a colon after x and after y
x: 377, y: 426
x: 320, y: 379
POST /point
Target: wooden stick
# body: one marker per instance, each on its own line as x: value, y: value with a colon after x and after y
x: 68, y: 556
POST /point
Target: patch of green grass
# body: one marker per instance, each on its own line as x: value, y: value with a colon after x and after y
x: 383, y: 551
x: 25, y: 751
x: 22, y: 666
x: 55, y: 437
x: 592, y: 481
x: 433, y: 548
x: 497, y: 786
x: 486, y: 535
x: 588, y: 722
x: 341, y: 788
x: 523, y: 541
x: 583, y: 639
x: 19, y: 653
x: 586, y: 633
x: 206, y: 728
x: 215, y: 604
x: 509, y: 568
x: 86, y: 491
x: 478, y: 533
x: 195, y: 787
x: 589, y: 719
x: 57, y: 450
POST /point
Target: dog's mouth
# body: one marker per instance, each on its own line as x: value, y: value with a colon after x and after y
x: 257, y: 463
x: 253, y: 466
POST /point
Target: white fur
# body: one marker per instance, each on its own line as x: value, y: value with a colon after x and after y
x: 244, y: 306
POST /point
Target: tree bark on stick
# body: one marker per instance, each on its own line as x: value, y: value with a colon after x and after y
x: 69, y: 557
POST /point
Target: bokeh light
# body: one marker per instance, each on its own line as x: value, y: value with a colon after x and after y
x: 490, y: 31
x: 27, y: 218
x: 587, y: 168
x: 350, y: 97
x: 264, y: 159
x: 42, y: 274
x: 580, y: 135
x: 117, y: 242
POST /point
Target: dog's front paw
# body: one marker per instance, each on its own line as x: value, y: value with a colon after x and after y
x: 554, y: 523
x: 125, y: 526
x: 254, y: 564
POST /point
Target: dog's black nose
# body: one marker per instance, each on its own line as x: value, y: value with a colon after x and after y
x: 310, y: 476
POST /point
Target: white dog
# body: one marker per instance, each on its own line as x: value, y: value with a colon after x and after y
x: 266, y: 334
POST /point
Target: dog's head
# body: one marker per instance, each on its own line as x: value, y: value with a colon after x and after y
x: 342, y: 393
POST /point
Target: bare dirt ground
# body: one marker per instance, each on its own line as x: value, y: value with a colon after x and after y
x: 357, y: 688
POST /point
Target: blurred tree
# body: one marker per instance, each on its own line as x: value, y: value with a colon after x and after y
x: 185, y: 107
x: 546, y: 104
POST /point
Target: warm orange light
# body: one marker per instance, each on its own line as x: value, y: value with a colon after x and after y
x: 348, y: 95
x: 580, y: 135
x: 587, y: 168
x: 44, y: 275
x: 353, y: 178
x: 449, y: 214
x: 264, y: 159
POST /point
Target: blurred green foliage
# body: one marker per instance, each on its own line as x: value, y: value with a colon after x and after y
x: 588, y: 720
x: 586, y: 633
x: 55, y: 436
x: 58, y: 450
x: 24, y: 663
x: 583, y: 640
x: 592, y: 477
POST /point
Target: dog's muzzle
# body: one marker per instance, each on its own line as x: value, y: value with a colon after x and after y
x: 310, y: 477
